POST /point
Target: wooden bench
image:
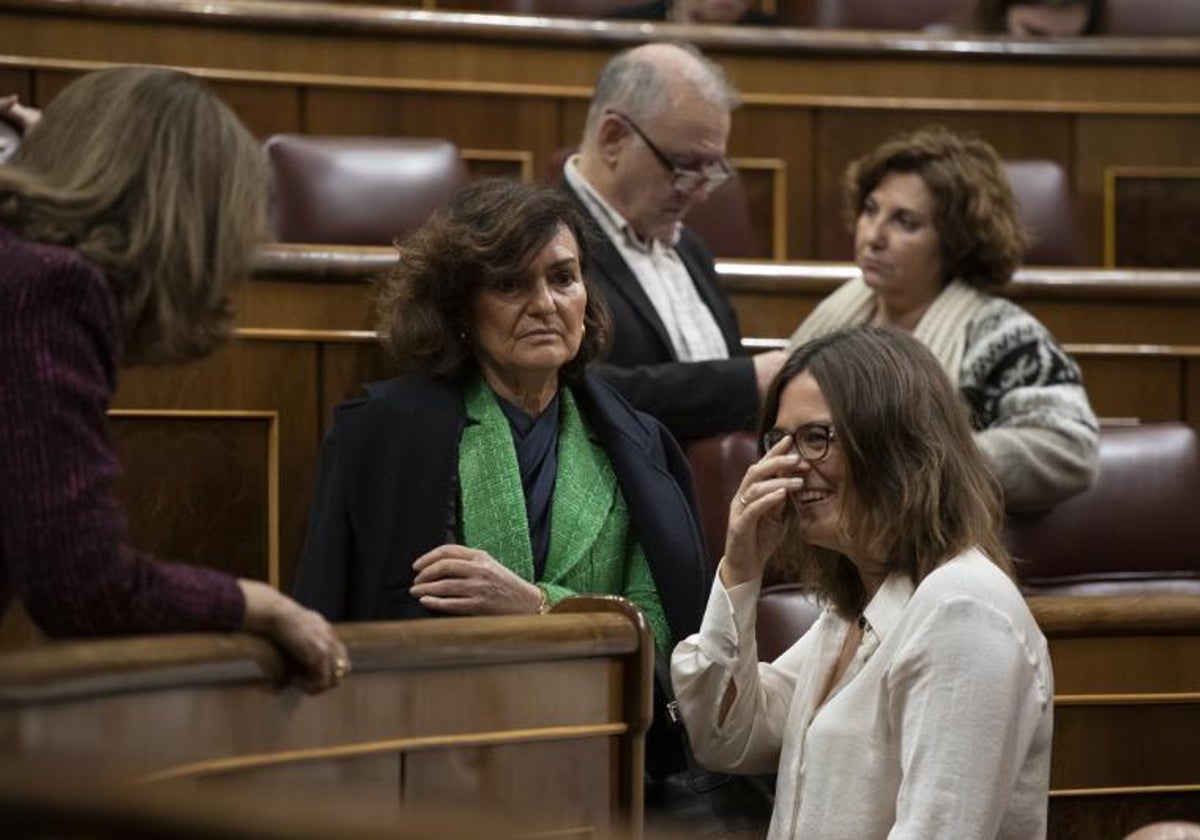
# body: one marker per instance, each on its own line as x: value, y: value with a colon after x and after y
x: 541, y: 719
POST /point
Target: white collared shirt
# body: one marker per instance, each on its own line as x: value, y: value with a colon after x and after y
x: 940, y: 727
x: 694, y: 333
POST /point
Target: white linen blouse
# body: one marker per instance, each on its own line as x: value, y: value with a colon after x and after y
x: 939, y: 728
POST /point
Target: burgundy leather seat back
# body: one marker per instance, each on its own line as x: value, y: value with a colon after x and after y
x: 882, y: 14
x: 1045, y: 210
x: 718, y: 464
x: 785, y: 612
x: 1173, y: 18
x: 358, y: 190
x: 1137, y: 529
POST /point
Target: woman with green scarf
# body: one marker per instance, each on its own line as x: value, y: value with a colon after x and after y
x: 496, y: 475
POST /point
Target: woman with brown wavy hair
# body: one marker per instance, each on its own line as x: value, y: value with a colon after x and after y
x: 920, y: 702
x: 936, y: 235
x: 125, y: 216
x: 496, y: 475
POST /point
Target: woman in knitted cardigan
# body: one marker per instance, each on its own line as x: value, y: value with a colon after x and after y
x: 935, y: 232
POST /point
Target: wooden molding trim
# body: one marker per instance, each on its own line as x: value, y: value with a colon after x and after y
x: 523, y: 159
x: 272, y: 418
x: 259, y: 761
x: 780, y: 224
x: 1153, y: 699
x: 1111, y: 175
x: 750, y: 99
x: 338, y: 17
x: 1143, y: 790
x: 1063, y: 616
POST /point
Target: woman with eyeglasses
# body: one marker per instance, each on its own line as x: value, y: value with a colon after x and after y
x: 936, y: 236
x: 920, y: 702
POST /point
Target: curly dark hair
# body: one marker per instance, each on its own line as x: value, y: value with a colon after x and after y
x: 976, y: 213
x: 491, y: 229
x: 921, y: 491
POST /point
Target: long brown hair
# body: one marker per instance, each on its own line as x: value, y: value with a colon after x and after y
x: 920, y: 490
x: 147, y: 174
x: 491, y: 229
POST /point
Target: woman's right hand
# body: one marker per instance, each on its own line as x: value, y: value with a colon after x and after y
x: 303, y: 634
x: 756, y: 513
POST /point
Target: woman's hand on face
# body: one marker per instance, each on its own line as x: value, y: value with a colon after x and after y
x: 304, y: 635
x: 464, y: 581
x: 756, y: 513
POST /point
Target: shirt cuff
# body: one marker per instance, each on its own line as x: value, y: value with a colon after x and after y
x: 729, y: 620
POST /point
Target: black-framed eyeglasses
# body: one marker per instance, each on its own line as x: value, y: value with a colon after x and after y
x: 810, y: 440
x: 685, y: 179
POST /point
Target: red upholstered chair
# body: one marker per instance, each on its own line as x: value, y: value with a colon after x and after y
x: 358, y: 190
x: 1135, y: 531
x: 785, y: 612
x: 881, y: 14
x: 718, y: 464
x: 1152, y: 17
x: 1045, y: 209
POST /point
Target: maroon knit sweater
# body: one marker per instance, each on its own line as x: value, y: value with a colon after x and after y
x: 62, y: 532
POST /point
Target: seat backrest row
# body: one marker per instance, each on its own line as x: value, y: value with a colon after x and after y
x: 1136, y: 530
x: 374, y: 190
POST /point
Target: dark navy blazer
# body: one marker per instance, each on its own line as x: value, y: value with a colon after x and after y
x: 692, y: 399
x: 387, y: 484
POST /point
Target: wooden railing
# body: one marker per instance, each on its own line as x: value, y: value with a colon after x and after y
x: 1126, y: 712
x: 540, y: 719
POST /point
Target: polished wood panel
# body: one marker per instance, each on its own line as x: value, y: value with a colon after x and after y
x: 812, y: 99
x: 203, y: 487
x: 490, y: 711
x: 1127, y: 711
x: 1150, y: 216
x: 249, y: 375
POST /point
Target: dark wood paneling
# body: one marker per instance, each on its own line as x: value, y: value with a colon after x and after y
x: 199, y: 489
x: 345, y: 368
x: 266, y: 109
x: 19, y: 82
x: 1146, y: 388
x: 1155, y: 219
x: 1102, y: 142
x: 473, y: 121
x: 279, y: 376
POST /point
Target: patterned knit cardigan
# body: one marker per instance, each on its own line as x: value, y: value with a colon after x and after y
x: 1028, y: 406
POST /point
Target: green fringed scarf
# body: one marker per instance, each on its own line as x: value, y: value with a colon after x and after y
x: 591, y: 547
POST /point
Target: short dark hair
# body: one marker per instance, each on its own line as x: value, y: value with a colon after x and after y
x: 490, y: 229
x: 152, y: 178
x: 920, y: 490
x: 975, y: 213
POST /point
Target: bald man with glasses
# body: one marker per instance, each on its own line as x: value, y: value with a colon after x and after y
x: 653, y: 146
